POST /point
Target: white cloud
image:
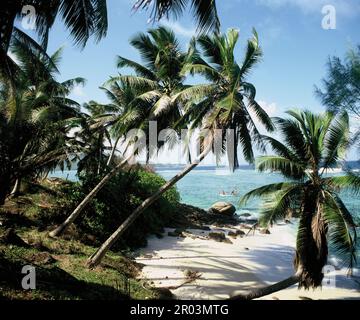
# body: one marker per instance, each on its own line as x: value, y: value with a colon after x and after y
x: 179, y: 29
x: 271, y: 108
x: 343, y: 7
x: 78, y: 91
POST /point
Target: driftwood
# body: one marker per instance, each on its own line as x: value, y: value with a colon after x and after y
x: 253, y: 228
x: 193, y: 276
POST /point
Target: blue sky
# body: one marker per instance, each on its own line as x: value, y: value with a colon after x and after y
x: 295, y: 46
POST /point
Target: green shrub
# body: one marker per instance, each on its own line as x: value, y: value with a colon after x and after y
x: 114, y: 203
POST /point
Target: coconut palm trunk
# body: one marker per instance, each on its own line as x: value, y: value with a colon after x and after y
x: 15, y: 191
x: 261, y: 292
x: 113, y: 150
x: 61, y: 228
x: 96, y: 258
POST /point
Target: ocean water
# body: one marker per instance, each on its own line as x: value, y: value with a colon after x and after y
x: 202, y: 188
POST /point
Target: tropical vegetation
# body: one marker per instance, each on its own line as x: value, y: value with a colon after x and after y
x: 341, y: 87
x: 42, y: 129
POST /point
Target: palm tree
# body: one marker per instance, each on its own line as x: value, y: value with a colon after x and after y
x: 35, y: 119
x: 204, y: 11
x: 107, y: 122
x: 92, y: 137
x: 147, y: 96
x: 221, y: 105
x: 313, y: 144
x: 228, y: 100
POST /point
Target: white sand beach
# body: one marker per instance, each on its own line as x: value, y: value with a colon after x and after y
x: 249, y: 262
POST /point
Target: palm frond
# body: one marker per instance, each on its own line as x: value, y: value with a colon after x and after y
x: 204, y: 11
x: 279, y: 203
x: 253, y: 54
x: 286, y: 167
x: 265, y: 191
x: 342, y: 231
x: 84, y: 18
x: 262, y: 115
x: 139, y: 69
x: 350, y: 182
x: 336, y: 140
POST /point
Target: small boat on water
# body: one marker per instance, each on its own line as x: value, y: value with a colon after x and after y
x: 226, y: 194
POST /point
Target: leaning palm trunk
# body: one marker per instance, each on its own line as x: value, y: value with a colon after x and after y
x: 61, y: 228
x: 96, y: 258
x: 268, y: 290
x: 15, y: 191
x: 113, y: 151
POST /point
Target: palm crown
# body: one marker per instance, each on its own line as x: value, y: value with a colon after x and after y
x: 227, y: 101
x: 156, y: 81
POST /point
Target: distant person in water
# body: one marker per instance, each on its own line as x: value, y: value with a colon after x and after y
x: 223, y: 193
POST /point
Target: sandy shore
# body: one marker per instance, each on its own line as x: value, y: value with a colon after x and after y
x: 225, y: 268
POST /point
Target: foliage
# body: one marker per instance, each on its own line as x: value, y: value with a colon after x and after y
x: 204, y: 11
x: 113, y: 204
x: 341, y: 87
x: 156, y: 80
x: 61, y: 272
x: 36, y: 118
x: 342, y: 84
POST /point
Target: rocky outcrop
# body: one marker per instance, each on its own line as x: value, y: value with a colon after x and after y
x: 219, y: 237
x: 177, y: 233
x: 190, y: 217
x: 223, y: 208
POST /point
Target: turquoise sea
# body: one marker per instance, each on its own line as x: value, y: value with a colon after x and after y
x: 202, y: 187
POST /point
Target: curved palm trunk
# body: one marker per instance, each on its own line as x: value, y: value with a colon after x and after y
x: 113, y: 152
x: 268, y: 290
x: 15, y: 191
x: 96, y: 258
x: 61, y: 228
